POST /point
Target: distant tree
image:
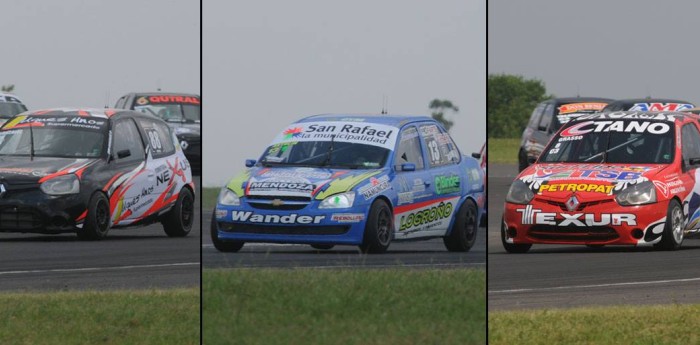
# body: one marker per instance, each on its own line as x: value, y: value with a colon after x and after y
x: 8, y: 88
x: 510, y: 101
x: 439, y: 107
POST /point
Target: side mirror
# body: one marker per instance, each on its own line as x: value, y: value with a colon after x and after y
x: 531, y: 160
x: 476, y: 155
x: 408, y: 167
x: 123, y: 153
x: 249, y: 163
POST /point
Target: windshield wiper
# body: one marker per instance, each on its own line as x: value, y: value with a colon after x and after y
x: 330, y: 151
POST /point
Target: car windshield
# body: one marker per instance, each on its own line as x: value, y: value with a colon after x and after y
x: 64, y: 136
x: 189, y: 113
x: 318, y: 154
x: 607, y: 141
x: 10, y: 109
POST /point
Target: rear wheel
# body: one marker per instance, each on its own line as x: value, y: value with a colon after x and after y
x: 322, y: 246
x: 464, y: 229
x: 178, y: 221
x: 518, y: 248
x: 97, y: 222
x: 223, y: 246
x: 672, y: 237
x: 379, y: 228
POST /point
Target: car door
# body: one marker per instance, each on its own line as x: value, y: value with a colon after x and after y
x: 690, y: 149
x: 129, y: 163
x: 169, y: 169
x: 412, y: 186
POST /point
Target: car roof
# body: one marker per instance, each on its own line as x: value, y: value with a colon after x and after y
x: 391, y: 120
x: 94, y: 112
x: 157, y: 93
x: 579, y: 99
x: 4, y: 96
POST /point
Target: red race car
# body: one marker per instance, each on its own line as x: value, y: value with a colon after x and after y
x: 622, y: 178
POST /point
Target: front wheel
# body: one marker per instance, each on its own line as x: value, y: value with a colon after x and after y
x: 463, y: 234
x: 518, y: 248
x: 379, y: 228
x: 672, y: 237
x: 97, y: 221
x: 223, y: 246
x: 178, y: 221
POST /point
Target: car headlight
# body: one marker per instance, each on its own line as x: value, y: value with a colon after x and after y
x: 228, y: 198
x: 637, y: 194
x: 519, y: 193
x: 61, y: 185
x: 343, y: 200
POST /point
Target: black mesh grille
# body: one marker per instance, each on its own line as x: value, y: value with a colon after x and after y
x: 583, y: 234
x: 13, y: 218
x: 282, y: 230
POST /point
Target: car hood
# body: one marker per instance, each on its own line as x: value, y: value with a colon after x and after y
x: 20, y: 169
x: 561, y: 180
x: 317, y: 183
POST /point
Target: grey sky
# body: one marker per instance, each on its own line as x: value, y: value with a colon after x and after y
x: 72, y: 52
x: 267, y: 64
x: 616, y: 49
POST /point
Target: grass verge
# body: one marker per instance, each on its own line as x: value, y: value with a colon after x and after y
x: 503, y: 150
x: 209, y: 196
x: 312, y: 306
x: 667, y: 324
x: 121, y: 317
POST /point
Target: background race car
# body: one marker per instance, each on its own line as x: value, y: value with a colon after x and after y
x: 354, y: 180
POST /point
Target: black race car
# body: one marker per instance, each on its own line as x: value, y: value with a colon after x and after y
x: 182, y: 111
x: 86, y: 171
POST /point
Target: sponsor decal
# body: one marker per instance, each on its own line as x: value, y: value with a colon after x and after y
x: 352, y: 132
x: 626, y: 115
x: 660, y: 106
x: 344, y: 184
x: 418, y: 185
x: 532, y: 215
x: 221, y: 213
x: 447, y: 184
x: 576, y: 187
x: 581, y: 107
x: 375, y: 186
x: 571, y: 138
x: 616, y: 126
x: 249, y: 216
x: 295, y: 173
x: 297, y: 187
x: 56, y: 121
x: 405, y: 198
x: 169, y: 99
x: 347, y: 217
x: 432, y: 215
x: 670, y: 187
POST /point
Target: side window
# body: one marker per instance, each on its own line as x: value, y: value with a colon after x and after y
x: 158, y: 137
x: 409, y: 149
x: 126, y: 137
x: 120, y: 103
x: 535, y: 117
x: 546, y: 117
x: 691, y: 142
x: 441, y: 149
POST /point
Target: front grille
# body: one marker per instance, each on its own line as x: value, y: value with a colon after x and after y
x: 290, y: 203
x: 581, y: 206
x: 575, y: 234
x: 282, y: 230
x: 15, y: 218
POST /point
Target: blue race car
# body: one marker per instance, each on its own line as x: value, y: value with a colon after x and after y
x: 354, y: 180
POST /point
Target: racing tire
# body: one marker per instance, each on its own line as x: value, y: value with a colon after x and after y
x: 464, y: 229
x: 378, y: 229
x: 672, y: 237
x: 223, y: 246
x: 97, y: 221
x: 515, y: 248
x: 178, y: 221
x: 522, y: 160
x: 323, y: 246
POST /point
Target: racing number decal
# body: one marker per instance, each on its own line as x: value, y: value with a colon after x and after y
x: 434, y: 151
x: 155, y: 140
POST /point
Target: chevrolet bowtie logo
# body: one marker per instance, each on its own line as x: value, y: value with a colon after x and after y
x: 277, y: 202
x: 572, y: 203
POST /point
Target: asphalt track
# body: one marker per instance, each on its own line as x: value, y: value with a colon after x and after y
x: 414, y: 254
x: 133, y: 258
x: 557, y: 276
